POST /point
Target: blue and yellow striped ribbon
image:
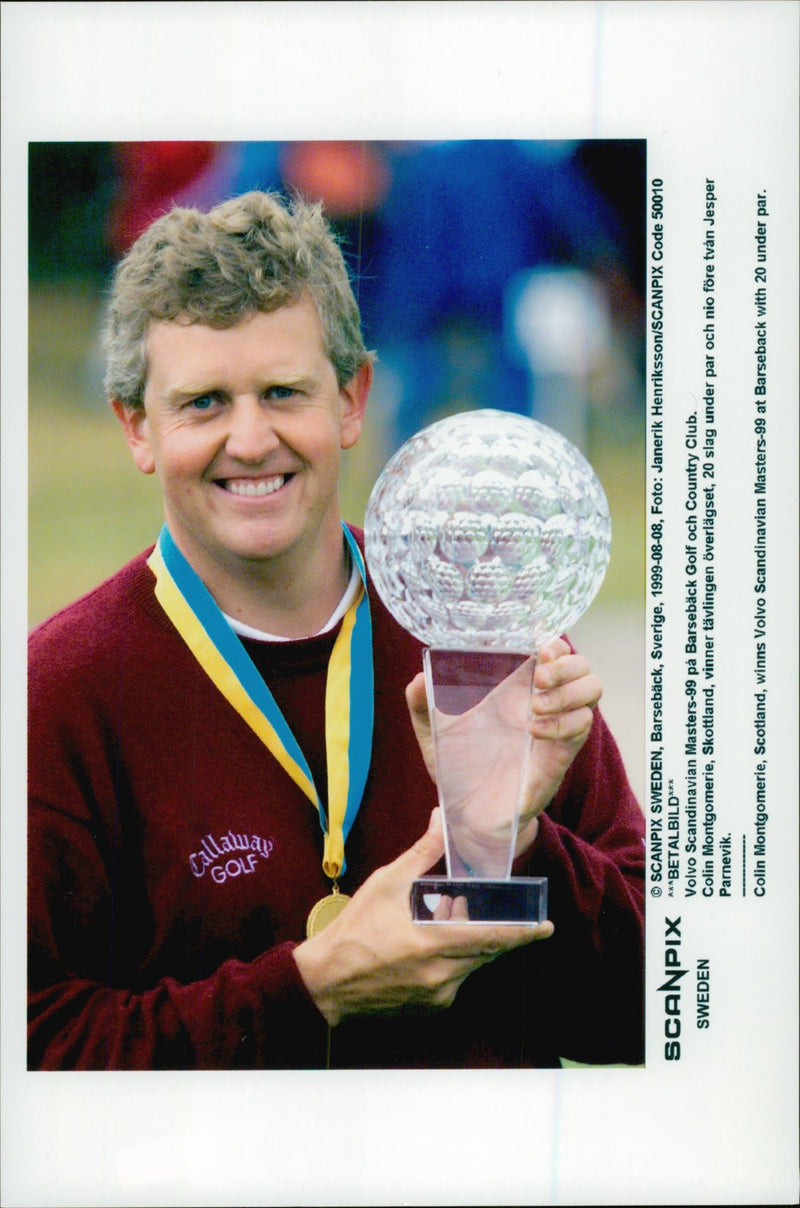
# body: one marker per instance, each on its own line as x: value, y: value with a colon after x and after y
x: 348, y: 694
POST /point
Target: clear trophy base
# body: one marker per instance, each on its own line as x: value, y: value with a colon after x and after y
x: 512, y: 900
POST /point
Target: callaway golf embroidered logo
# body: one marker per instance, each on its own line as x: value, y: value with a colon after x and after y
x: 229, y: 855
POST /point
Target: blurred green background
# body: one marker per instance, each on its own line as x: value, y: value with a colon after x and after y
x: 90, y: 510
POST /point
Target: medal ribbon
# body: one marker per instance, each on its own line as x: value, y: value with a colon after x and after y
x: 348, y: 693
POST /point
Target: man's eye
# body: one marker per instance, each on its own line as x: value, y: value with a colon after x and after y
x: 203, y: 402
x: 280, y: 392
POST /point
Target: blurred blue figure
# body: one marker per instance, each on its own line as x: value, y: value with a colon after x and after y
x: 460, y: 220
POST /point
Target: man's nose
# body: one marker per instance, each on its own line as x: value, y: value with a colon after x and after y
x: 251, y: 435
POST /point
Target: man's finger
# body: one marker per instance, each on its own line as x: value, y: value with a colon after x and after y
x: 560, y: 671
x: 573, y: 695
x: 485, y: 942
x: 563, y: 726
x: 416, y: 695
x: 552, y: 651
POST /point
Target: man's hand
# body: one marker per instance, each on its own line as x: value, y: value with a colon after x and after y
x: 373, y: 958
x: 562, y: 710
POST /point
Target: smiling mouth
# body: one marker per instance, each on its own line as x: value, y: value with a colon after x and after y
x: 249, y: 488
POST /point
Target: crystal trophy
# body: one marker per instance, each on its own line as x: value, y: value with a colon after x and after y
x: 487, y: 535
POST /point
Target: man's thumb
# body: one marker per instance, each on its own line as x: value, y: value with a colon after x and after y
x: 429, y: 848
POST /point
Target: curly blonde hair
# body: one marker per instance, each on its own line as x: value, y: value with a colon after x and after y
x: 253, y: 253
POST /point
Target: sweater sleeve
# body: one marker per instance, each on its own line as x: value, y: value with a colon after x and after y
x: 250, y: 1014
x: 114, y: 980
x: 590, y: 846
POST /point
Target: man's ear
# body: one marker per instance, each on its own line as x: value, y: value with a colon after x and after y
x: 354, y: 396
x: 134, y: 422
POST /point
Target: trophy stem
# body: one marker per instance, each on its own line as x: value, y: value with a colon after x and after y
x: 480, y: 708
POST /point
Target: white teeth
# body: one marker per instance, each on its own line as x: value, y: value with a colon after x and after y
x: 262, y: 487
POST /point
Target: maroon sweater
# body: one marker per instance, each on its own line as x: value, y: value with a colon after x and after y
x: 172, y: 864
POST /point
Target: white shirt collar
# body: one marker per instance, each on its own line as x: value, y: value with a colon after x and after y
x: 259, y: 635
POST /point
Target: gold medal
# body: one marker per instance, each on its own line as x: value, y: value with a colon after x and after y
x: 326, y: 911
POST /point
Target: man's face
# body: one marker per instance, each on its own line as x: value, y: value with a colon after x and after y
x: 244, y: 427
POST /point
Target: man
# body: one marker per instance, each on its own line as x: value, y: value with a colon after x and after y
x: 187, y: 822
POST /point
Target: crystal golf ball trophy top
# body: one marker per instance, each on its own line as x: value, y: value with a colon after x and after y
x: 487, y: 535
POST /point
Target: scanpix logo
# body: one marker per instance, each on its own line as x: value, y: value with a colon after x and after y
x: 220, y: 854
